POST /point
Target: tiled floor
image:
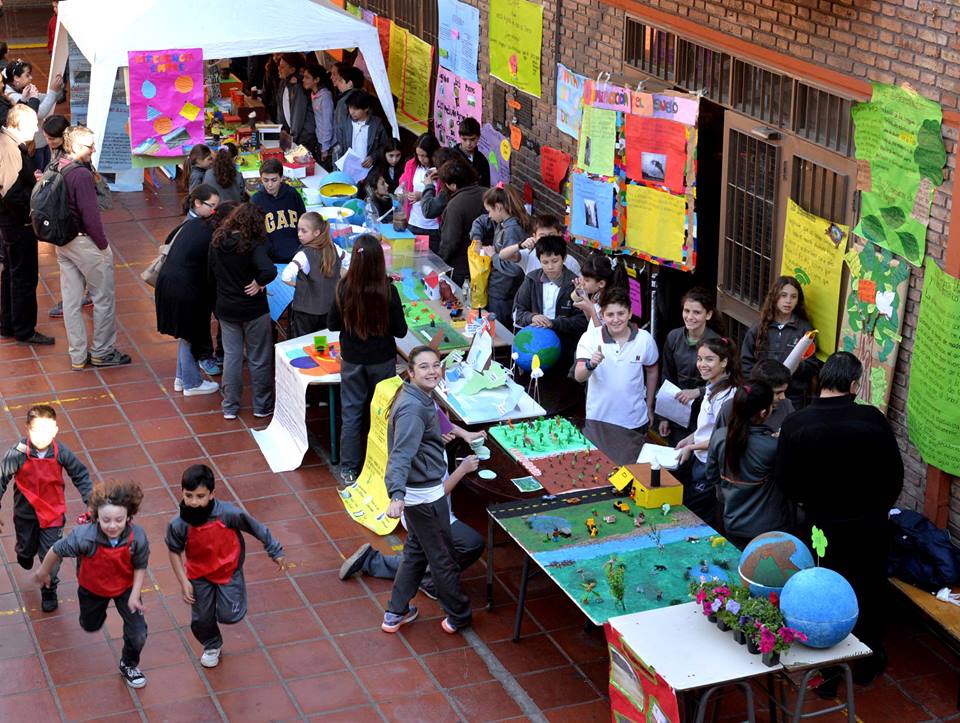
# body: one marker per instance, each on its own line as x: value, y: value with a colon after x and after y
x: 311, y: 645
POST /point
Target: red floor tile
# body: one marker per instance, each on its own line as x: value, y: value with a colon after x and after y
x: 287, y: 626
x: 161, y: 681
x: 534, y: 652
x: 329, y: 692
x: 433, y: 708
x: 200, y: 710
x: 458, y: 667
x: 306, y: 658
x: 270, y: 702
x: 90, y: 699
x: 555, y: 688
x: 18, y: 675
x: 241, y: 670
x: 36, y: 705
x: 396, y: 679
x: 485, y: 702
x: 93, y: 660
x: 370, y: 648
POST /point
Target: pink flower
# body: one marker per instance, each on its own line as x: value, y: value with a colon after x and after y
x: 706, y: 608
x: 701, y: 596
x: 790, y: 636
x: 768, y: 640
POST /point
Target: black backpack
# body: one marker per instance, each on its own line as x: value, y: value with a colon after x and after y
x: 50, y: 214
x: 921, y: 553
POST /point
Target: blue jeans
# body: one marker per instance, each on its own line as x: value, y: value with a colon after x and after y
x: 188, y: 371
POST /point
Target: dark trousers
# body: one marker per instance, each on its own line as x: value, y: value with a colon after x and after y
x: 303, y: 323
x: 430, y: 542
x: 699, y: 496
x: 467, y: 548
x: 433, y: 234
x: 503, y: 308
x: 214, y: 604
x: 93, y: 613
x: 204, y: 348
x: 357, y: 382
x: 18, y: 282
x: 35, y: 540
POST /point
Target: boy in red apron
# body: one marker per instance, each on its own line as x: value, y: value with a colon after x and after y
x: 206, y: 552
x: 112, y: 555
x: 36, y: 465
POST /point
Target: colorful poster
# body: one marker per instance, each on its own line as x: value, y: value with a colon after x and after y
x: 898, y: 135
x: 459, y: 38
x: 656, y: 151
x: 592, y: 210
x: 598, y: 140
x: 933, y: 401
x: 813, y: 250
x: 456, y: 98
x: 873, y: 318
x: 606, y: 96
x: 496, y: 148
x: 676, y: 108
x: 656, y: 222
x: 554, y: 165
x: 383, y: 32
x: 414, y: 107
x: 366, y: 500
x: 637, y: 691
x: 515, y: 40
x: 166, y: 101
x: 569, y: 100
x: 395, y: 58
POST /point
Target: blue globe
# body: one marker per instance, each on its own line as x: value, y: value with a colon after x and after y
x: 532, y: 340
x: 820, y: 604
x: 770, y: 560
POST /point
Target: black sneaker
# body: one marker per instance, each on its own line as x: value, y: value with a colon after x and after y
x: 429, y: 590
x: 38, y: 338
x: 25, y: 562
x: 116, y: 358
x: 133, y: 676
x: 48, y: 599
x: 353, y: 564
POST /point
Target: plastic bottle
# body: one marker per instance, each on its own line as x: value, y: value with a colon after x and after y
x: 370, y: 220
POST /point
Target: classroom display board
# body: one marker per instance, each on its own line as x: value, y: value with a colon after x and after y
x: 455, y: 98
x: 900, y: 159
x: 611, y: 556
x: 166, y: 101
x: 515, y: 41
x: 413, y: 110
x: 637, y: 691
x: 933, y: 401
x: 459, y: 38
x: 569, y: 100
x: 633, y: 189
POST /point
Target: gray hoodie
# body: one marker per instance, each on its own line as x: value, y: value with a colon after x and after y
x: 416, y: 446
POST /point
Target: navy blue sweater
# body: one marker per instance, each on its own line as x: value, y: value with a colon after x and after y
x: 282, y: 213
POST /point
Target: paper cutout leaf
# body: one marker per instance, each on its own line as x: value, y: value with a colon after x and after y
x: 893, y: 216
x: 819, y: 541
x: 930, y: 154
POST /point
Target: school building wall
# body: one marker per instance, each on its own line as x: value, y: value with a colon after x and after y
x: 839, y: 46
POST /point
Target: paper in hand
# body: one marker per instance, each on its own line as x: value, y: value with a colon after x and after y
x: 351, y: 163
x: 669, y: 407
x: 666, y: 457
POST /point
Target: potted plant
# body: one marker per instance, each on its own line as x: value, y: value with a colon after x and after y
x: 710, y: 595
x: 751, y: 611
x: 728, y: 616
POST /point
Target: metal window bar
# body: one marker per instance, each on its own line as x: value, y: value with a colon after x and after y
x: 819, y: 190
x: 824, y: 118
x: 761, y: 94
x: 703, y: 69
x: 650, y: 50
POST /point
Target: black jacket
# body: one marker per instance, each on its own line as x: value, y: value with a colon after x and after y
x: 480, y: 164
x: 232, y: 273
x: 779, y: 344
x: 462, y: 210
x: 15, y: 199
x: 568, y: 321
x: 185, y: 293
x: 374, y: 349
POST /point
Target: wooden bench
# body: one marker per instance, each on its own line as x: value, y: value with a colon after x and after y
x: 943, y: 617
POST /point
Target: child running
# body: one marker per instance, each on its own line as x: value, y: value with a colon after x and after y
x: 36, y: 465
x: 314, y: 273
x: 112, y: 555
x: 206, y: 552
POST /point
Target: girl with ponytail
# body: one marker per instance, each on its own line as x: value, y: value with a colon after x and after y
x: 599, y: 273
x: 740, y: 462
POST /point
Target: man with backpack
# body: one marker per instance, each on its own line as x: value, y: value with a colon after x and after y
x: 83, y: 250
x: 19, y: 277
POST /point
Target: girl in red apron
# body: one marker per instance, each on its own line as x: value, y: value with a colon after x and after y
x: 36, y: 466
x: 112, y: 555
x: 206, y: 553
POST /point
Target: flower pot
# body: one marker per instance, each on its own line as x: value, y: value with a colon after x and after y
x: 753, y: 647
x: 722, y: 625
x: 740, y: 637
x: 712, y: 617
x: 771, y: 659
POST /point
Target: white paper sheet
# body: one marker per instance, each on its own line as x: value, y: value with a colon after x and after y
x: 666, y: 457
x: 351, y: 163
x: 669, y: 407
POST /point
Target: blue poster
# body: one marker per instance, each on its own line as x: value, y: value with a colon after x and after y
x: 279, y: 294
x: 569, y: 100
x: 459, y: 38
x: 591, y: 210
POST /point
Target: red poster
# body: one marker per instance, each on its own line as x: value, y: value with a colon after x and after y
x: 383, y: 30
x: 656, y: 151
x: 637, y: 692
x: 553, y: 167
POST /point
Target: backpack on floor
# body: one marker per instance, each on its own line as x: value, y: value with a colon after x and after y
x: 50, y: 214
x: 921, y: 553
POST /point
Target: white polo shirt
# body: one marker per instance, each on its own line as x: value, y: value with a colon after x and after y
x: 617, y: 390
x: 707, y: 419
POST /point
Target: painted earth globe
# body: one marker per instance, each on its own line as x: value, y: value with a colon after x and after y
x: 532, y: 340
x: 770, y: 560
x: 821, y: 604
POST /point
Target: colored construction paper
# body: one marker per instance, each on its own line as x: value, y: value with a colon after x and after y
x: 166, y: 97
x: 455, y: 98
x: 496, y: 149
x: 554, y: 164
x: 515, y: 42
x: 636, y: 297
x: 516, y: 137
x: 592, y: 209
x: 656, y: 222
x: 459, y: 38
x: 606, y: 96
x: 395, y: 58
x: 811, y: 254
x: 933, y: 401
x: 656, y: 151
x: 569, y: 100
x: 383, y: 32
x: 279, y: 294
x: 414, y: 107
x: 598, y: 140
x: 676, y: 108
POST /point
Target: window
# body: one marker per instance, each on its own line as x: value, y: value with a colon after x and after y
x: 761, y: 93
x: 824, y: 118
x: 701, y: 69
x: 649, y: 49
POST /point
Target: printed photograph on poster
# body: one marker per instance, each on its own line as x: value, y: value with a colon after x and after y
x: 455, y: 98
x: 590, y: 213
x: 592, y: 210
x: 654, y: 167
x: 569, y: 100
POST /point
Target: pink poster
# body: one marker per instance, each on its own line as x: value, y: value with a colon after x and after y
x: 166, y: 101
x: 456, y: 98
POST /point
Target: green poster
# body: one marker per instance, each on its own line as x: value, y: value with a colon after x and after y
x: 933, y: 401
x: 898, y: 140
x: 598, y: 140
x: 515, y: 39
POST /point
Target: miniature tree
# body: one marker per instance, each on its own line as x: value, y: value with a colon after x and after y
x: 615, y: 579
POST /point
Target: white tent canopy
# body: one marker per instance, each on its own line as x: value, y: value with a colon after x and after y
x: 105, y: 30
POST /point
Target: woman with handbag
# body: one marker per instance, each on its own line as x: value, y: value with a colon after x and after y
x: 184, y: 295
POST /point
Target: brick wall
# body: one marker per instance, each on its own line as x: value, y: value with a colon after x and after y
x: 890, y: 41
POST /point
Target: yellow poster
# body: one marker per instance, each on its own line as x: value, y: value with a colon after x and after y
x: 366, y: 500
x: 515, y: 41
x: 813, y: 249
x: 415, y: 99
x: 655, y: 222
x: 395, y: 58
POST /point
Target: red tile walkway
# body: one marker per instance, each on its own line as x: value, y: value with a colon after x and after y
x: 311, y: 645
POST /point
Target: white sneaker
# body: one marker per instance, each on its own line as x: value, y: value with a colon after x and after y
x: 206, y: 387
x: 210, y: 658
x: 177, y: 384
